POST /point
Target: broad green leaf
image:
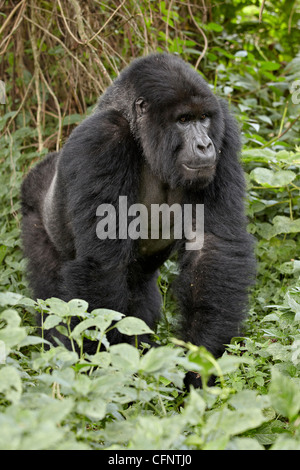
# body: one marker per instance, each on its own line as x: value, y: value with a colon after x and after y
x: 125, y: 357
x: 234, y: 422
x: 101, y: 319
x: 107, y: 316
x: 11, y: 317
x: 230, y: 363
x: 279, y: 352
x: 51, y: 321
x: 157, y: 359
x: 214, y: 27
x: 3, y: 251
x: 32, y: 340
x: 293, y: 304
x: 55, y: 410
x: 9, y: 298
x: 11, y: 334
x: 56, y: 306
x: 265, y: 119
x: 284, y: 395
x: 250, y: 399
x: 94, y: 409
x: 85, y: 325
x: 258, y: 155
x: 268, y: 178
x: 42, y: 436
x: 77, y: 307
x: 204, y: 361
x: 133, y: 326
x: 286, y: 443
x: 59, y: 356
x: 10, y: 384
x: 270, y: 65
x: 71, y: 119
x: 244, y: 443
x: 194, y: 408
x: 282, y: 224
x: 295, y: 349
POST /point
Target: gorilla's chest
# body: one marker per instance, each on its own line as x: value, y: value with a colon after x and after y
x: 161, y: 209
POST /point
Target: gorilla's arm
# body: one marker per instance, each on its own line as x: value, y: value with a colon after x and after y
x: 212, y: 291
x: 212, y: 288
x: 96, y: 166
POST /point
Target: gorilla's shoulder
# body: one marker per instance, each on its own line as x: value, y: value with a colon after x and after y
x: 102, y: 127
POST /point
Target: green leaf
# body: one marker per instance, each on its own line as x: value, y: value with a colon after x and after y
x: 3, y: 251
x: 94, y: 410
x: 204, y: 361
x: 72, y: 118
x: 229, y: 363
x: 284, y: 395
x: 32, y: 340
x: 9, y: 298
x: 286, y: 443
x: 269, y: 178
x: 281, y: 224
x: 133, y: 326
x: 11, y: 318
x: 12, y: 334
x: 51, y: 321
x: 125, y: 357
x: 293, y: 304
x: 279, y: 352
x: 270, y: 65
x: 106, y: 317
x: 265, y: 119
x: 10, y: 384
x: 284, y: 224
x: 101, y: 319
x: 157, y: 359
x: 233, y: 422
x: 77, y: 307
x: 56, y: 306
x: 214, y: 27
x: 244, y: 443
x: 194, y: 407
x: 258, y: 155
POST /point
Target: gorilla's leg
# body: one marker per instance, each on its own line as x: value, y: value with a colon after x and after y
x: 43, y: 259
x: 212, y: 291
x: 43, y: 262
x: 145, y: 300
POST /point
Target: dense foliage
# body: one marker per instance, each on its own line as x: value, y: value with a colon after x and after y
x: 56, y: 58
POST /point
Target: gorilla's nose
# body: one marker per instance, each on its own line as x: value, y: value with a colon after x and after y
x: 205, y: 153
x: 203, y: 146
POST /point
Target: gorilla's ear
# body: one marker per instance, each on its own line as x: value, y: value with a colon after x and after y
x: 141, y: 106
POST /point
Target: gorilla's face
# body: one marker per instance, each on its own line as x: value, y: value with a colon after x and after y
x: 197, y: 157
x: 182, y: 150
x: 181, y: 133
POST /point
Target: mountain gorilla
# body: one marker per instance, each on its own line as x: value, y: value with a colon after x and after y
x: 158, y: 136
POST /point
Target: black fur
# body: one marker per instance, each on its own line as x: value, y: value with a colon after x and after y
x: 105, y: 157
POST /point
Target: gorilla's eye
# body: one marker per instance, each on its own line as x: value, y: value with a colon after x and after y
x: 184, y: 118
x: 203, y: 117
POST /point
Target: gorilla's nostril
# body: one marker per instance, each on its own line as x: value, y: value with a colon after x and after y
x: 203, y: 146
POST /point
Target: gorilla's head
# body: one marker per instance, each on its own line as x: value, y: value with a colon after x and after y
x: 173, y: 115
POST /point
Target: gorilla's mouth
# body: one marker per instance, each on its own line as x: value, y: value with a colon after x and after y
x: 200, y: 174
x: 202, y: 168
